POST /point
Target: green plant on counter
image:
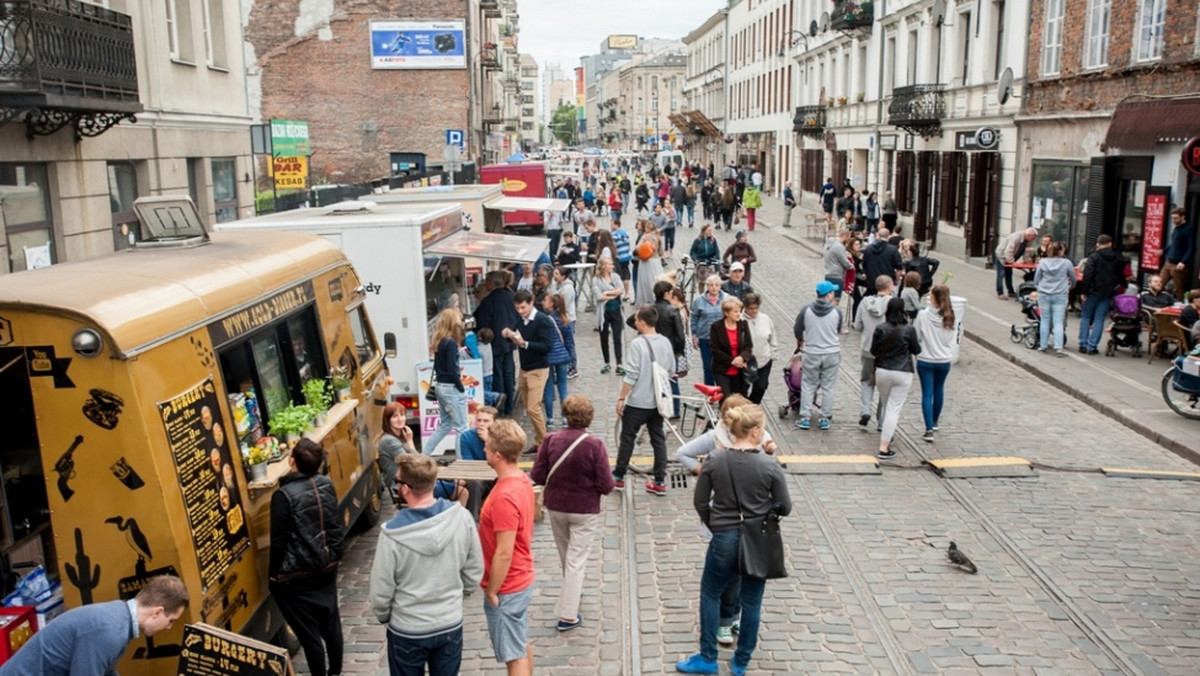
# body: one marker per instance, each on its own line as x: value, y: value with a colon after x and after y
x: 293, y: 420
x: 316, y: 393
x: 257, y: 455
x: 341, y: 381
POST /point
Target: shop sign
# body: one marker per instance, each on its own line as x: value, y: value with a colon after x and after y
x: 1191, y: 156
x: 209, y: 651
x: 290, y: 172
x: 887, y: 142
x: 1153, y: 228
x: 289, y: 137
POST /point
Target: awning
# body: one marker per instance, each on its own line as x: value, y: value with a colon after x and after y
x: 705, y: 125
x: 680, y: 121
x: 511, y: 203
x: 490, y: 246
x: 1142, y: 125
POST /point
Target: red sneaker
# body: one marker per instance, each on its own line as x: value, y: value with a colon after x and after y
x: 656, y: 488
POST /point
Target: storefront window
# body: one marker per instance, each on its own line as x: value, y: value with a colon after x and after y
x: 25, y: 207
x: 224, y: 179
x: 1058, y: 195
x: 122, y: 191
x: 1133, y: 210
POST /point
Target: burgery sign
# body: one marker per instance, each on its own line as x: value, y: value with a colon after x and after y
x: 513, y: 185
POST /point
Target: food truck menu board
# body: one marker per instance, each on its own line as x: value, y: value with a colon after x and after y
x: 208, y: 651
x: 211, y: 496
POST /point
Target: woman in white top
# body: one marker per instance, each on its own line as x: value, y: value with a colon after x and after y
x: 765, y: 341
x: 936, y: 329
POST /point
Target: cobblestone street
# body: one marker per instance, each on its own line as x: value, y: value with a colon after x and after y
x: 1078, y: 572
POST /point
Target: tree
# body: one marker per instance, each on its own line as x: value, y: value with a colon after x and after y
x: 562, y: 123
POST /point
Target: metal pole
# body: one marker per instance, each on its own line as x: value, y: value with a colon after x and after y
x: 879, y: 104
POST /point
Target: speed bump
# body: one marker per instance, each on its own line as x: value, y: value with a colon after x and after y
x: 963, y: 468
x: 829, y: 464
x: 1149, y: 474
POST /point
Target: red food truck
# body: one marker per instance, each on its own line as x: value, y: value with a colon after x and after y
x: 527, y: 179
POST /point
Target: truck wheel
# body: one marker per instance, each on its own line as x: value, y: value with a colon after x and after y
x: 370, y: 514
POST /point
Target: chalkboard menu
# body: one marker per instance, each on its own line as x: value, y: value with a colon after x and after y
x: 208, y: 651
x: 200, y: 446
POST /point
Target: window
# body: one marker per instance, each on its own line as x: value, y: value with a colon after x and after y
x: 1150, y: 30
x: 25, y: 211
x: 1058, y: 192
x: 364, y: 339
x: 1096, y: 36
x: 172, y: 29
x: 1052, y: 39
x: 964, y: 20
x: 998, y: 57
x: 179, y: 30
x: 122, y: 191
x: 224, y: 189
x: 214, y: 32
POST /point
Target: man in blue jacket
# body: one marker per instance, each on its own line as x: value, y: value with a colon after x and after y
x: 1180, y: 252
x: 89, y: 640
x: 533, y: 336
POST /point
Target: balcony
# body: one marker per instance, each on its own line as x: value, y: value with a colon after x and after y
x: 852, y: 17
x: 491, y: 8
x: 809, y: 121
x: 64, y: 62
x: 918, y: 109
x: 488, y: 58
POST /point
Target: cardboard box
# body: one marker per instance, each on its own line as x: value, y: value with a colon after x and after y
x: 17, y: 625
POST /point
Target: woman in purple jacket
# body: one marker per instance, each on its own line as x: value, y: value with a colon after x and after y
x: 573, y: 467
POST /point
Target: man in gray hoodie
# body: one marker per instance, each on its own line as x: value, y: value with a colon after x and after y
x: 817, y: 328
x: 837, y: 261
x: 869, y: 317
x: 427, y: 556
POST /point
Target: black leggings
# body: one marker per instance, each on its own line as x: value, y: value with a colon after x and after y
x: 612, y: 322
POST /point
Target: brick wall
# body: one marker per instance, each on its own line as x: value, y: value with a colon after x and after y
x: 1076, y: 90
x: 356, y: 115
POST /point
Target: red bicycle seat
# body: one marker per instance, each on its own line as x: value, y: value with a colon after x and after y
x: 713, y: 392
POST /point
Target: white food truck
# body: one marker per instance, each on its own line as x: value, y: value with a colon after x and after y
x: 482, y: 206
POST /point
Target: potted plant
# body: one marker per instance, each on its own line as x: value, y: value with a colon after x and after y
x: 292, y: 422
x: 841, y: 101
x: 860, y: 97
x: 341, y: 383
x: 316, y: 393
x: 256, y: 458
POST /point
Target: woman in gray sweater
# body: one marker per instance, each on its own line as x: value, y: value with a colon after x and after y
x: 1054, y: 277
x: 741, y: 481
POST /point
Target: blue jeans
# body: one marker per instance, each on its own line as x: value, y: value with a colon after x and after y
x: 691, y: 212
x: 452, y: 414
x: 554, y: 235
x: 558, y: 378
x: 489, y: 397
x: 569, y: 339
x: 706, y: 362
x: 1091, y: 321
x: 1053, y: 307
x: 721, y: 565
x: 933, y: 390
x: 1003, y: 277
x: 505, y: 375
x: 668, y: 234
x: 408, y: 656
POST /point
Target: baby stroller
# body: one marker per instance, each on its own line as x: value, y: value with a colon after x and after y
x: 1126, y: 329
x: 1030, y: 331
x: 791, y: 378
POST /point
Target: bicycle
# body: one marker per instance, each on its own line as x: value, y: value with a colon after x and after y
x: 1181, y: 390
x: 696, y: 414
x: 693, y: 274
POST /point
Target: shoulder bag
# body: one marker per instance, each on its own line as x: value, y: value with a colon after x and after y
x: 661, y: 380
x: 431, y: 393
x: 760, y: 548
x: 564, y: 456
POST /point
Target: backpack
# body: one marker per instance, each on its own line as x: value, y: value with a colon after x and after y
x: 664, y: 399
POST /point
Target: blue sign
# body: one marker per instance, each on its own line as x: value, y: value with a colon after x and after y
x: 455, y: 137
x: 418, y: 44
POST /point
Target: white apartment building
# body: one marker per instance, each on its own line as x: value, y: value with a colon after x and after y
x: 530, y: 103
x: 112, y: 102
x: 704, y: 106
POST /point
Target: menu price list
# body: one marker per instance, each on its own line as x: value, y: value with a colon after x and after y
x: 195, y: 433
x: 209, y: 651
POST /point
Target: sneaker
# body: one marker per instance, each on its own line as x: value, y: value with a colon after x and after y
x: 823, y: 423
x: 618, y: 482
x: 696, y: 664
x: 935, y: 428
x: 863, y: 420
x: 928, y: 436
x: 656, y: 488
x: 620, y: 370
x: 1093, y: 351
x: 725, y: 635
x: 735, y: 669
x: 736, y: 627
x: 572, y: 374
x: 563, y: 625
x: 886, y: 455
x: 803, y: 424
x: 606, y: 369
x: 549, y: 423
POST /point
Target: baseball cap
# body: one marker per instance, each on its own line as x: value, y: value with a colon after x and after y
x: 826, y: 287
x: 737, y: 266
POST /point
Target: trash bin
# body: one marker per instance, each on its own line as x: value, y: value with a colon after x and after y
x: 960, y: 309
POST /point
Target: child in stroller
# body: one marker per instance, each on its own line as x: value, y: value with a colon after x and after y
x: 1126, y: 329
x: 791, y: 379
x: 1029, y: 332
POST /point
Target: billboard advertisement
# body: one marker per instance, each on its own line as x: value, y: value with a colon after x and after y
x: 622, y: 41
x: 416, y: 45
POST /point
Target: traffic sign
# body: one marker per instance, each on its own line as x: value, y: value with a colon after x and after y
x: 456, y: 137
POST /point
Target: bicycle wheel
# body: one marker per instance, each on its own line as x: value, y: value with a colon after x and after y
x: 1186, y: 404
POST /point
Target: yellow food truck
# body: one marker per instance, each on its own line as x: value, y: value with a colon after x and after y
x: 133, y: 384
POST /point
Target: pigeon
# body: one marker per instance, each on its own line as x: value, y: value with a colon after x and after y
x: 959, y: 559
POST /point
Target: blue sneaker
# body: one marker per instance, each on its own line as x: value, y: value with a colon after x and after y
x: 696, y: 664
x: 803, y: 424
x: 823, y: 424
x: 735, y: 669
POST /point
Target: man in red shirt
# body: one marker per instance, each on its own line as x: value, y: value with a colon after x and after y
x: 505, y: 532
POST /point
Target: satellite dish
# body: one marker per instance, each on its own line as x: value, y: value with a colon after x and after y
x: 813, y: 28
x: 824, y: 21
x: 938, y: 11
x: 1004, y: 86
x: 729, y: 138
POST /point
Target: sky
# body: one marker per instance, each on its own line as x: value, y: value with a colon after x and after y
x: 561, y: 31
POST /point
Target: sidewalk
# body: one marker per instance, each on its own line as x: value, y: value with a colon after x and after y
x: 1127, y: 390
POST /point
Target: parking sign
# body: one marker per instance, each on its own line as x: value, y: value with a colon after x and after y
x: 455, y: 137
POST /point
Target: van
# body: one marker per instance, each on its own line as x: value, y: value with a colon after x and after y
x: 669, y: 161
x: 132, y: 383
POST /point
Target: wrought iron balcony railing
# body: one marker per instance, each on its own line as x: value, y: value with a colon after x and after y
x: 809, y: 121
x: 852, y: 16
x: 64, y: 62
x: 918, y: 109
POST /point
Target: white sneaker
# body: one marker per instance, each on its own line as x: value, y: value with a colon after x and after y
x: 724, y: 636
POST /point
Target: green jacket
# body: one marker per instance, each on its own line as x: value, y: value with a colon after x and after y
x: 751, y: 198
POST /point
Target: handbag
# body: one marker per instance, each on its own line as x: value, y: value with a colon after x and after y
x: 750, y: 371
x: 431, y: 394
x: 760, y: 547
x: 564, y: 456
